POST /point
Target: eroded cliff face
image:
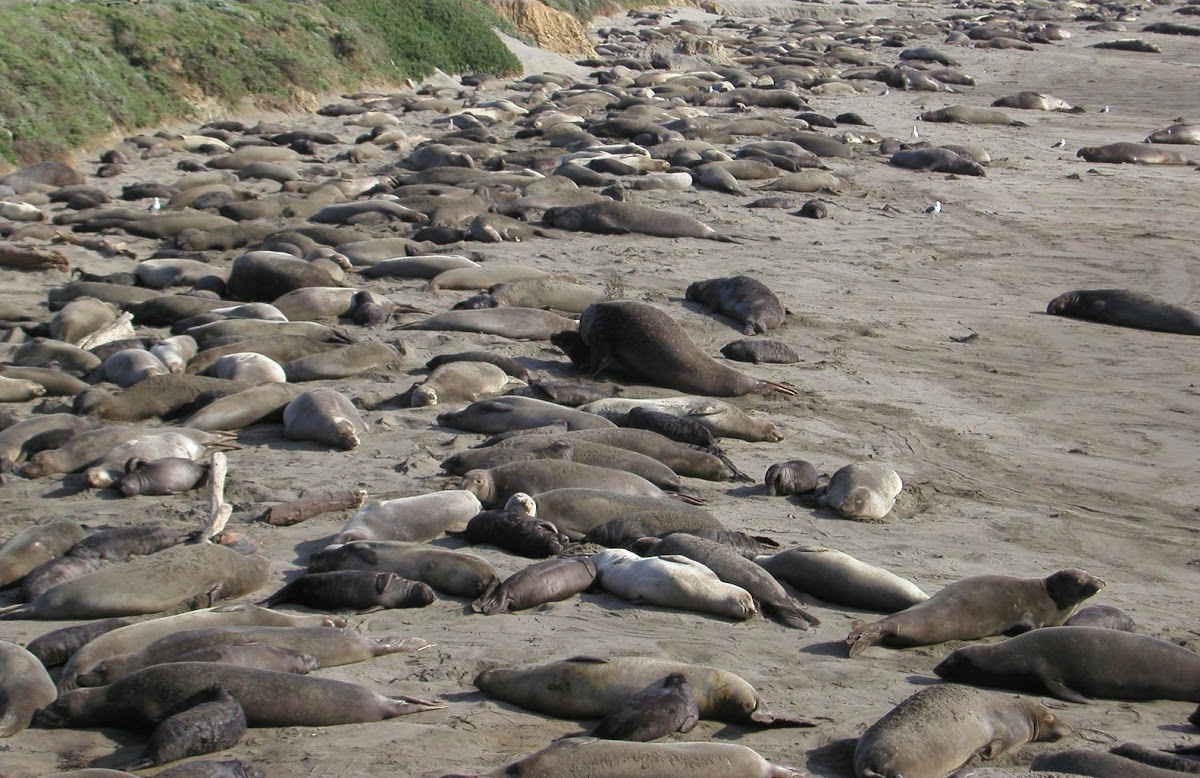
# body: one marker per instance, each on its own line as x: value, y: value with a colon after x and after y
x: 547, y: 27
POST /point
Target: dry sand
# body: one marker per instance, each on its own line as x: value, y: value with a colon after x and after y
x: 1044, y: 443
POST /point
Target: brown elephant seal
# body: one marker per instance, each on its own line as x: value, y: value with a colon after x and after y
x: 44, y: 352
x: 760, y: 352
x: 507, y: 364
x: 212, y: 720
x: 171, y: 475
x: 1123, y: 308
x: 970, y: 114
x: 1076, y: 663
x: 450, y: 572
x: 324, y: 416
x: 1104, y: 616
x: 733, y: 568
x: 1136, y: 154
x: 154, y: 397
x: 744, y: 299
x: 381, y: 261
x: 80, y: 318
x: 581, y: 510
x: 502, y: 414
x: 150, y: 584
x: 792, y: 477
x: 411, y: 519
x: 14, y: 390
x: 640, y: 339
x: 1155, y: 758
x: 981, y: 606
x: 671, y: 582
x: 937, y: 160
x: 863, y: 491
x: 514, y: 323
x: 47, y: 575
x: 595, y: 758
x: 653, y: 714
x: 493, y: 487
x: 356, y: 590
x: 16, y: 438
x: 342, y: 362
x: 258, y: 655
x: 1100, y: 764
x: 591, y: 688
x: 261, y: 404
x: 264, y: 276
x: 25, y: 688
x: 36, y: 545
x: 614, y: 218
x: 56, y: 647
x: 684, y: 460
x: 81, y: 450
x: 552, y: 580
x: 486, y: 458
x: 1176, y: 133
x: 1035, y: 101
x: 270, y: 699
x: 457, y: 382
x: 55, y: 382
x: 678, y: 428
x: 208, y: 768
x: 839, y: 578
x: 941, y: 728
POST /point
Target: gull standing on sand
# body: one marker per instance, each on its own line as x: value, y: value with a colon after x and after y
x: 1061, y: 142
x: 915, y: 134
x: 885, y: 92
x: 1105, y: 109
x: 934, y: 209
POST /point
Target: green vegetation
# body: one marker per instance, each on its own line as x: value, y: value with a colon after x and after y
x: 72, y: 71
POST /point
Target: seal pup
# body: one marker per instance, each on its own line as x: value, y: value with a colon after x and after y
x: 1123, y: 308
x: 450, y: 572
x: 1101, y: 764
x: 760, y: 352
x: 839, y: 578
x: 941, y: 728
x: 795, y: 476
x: 324, y: 416
x: 356, y: 590
x: 639, y: 339
x: 56, y: 647
x: 744, y: 299
x: 514, y: 529
x: 411, y: 519
x: 209, y: 721
x: 553, y: 580
x: 1104, y: 616
x: 1077, y: 663
x: 981, y: 606
x: 863, y: 491
x: 25, y: 688
x: 655, y: 713
x: 671, y: 581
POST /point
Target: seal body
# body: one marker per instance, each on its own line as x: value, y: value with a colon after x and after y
x: 212, y: 720
x: 324, y: 416
x: 979, y: 607
x: 412, y: 519
x: 653, y: 714
x: 446, y: 571
x: 1099, y: 763
x: 460, y: 382
x: 36, y: 545
x: 170, y: 475
x: 356, y: 590
x: 1104, y: 616
x: 582, y: 510
x: 841, y: 579
x: 25, y: 688
x: 940, y: 728
x: 743, y: 299
x: 502, y: 414
x: 553, y: 580
x: 673, y: 582
x: 493, y: 487
x: 863, y: 491
x: 1136, y: 154
x: 515, y: 532
x: 610, y: 217
x: 1123, y: 308
x: 760, y: 351
x: 1176, y: 133
x: 55, y: 648
x: 792, y: 477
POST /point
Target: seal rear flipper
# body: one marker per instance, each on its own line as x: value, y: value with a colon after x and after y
x: 781, y: 388
x: 863, y: 636
x: 790, y: 615
x: 690, y: 499
x: 492, y: 603
x: 13, y: 612
x: 1064, y: 692
x: 402, y: 705
x: 767, y: 719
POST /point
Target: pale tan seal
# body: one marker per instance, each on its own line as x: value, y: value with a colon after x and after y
x: 839, y: 578
x: 411, y: 519
x: 257, y: 405
x: 324, y: 416
x: 863, y: 491
x: 249, y: 367
x: 461, y: 382
x: 25, y: 688
x: 671, y: 581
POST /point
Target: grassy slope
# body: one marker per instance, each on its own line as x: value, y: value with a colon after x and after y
x: 72, y: 71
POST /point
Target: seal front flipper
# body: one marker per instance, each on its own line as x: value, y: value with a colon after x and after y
x: 790, y: 615
x: 1064, y: 692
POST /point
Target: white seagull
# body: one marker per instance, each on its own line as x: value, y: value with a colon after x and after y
x: 936, y: 208
x: 1061, y: 142
x: 885, y: 92
x: 1105, y: 109
x: 915, y: 134
x: 155, y: 206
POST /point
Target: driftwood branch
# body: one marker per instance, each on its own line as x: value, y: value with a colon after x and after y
x: 219, y: 511
x: 294, y: 512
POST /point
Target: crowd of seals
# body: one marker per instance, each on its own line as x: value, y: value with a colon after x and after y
x: 291, y: 281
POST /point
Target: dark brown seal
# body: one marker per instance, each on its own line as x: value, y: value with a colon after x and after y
x: 793, y: 477
x: 55, y: 648
x: 1135, y: 154
x: 760, y: 351
x: 743, y: 299
x: 638, y: 338
x: 1123, y: 308
x: 979, y: 607
x: 1099, y: 764
x: 1076, y: 663
x: 550, y: 581
x: 515, y: 532
x: 1155, y: 758
x: 121, y: 543
x: 357, y: 590
x: 937, y: 160
x: 173, y: 475
x: 678, y: 428
x: 654, y: 713
x: 212, y: 720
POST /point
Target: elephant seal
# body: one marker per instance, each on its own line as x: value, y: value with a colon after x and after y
x: 1176, y: 133
x: 970, y: 114
x: 514, y: 323
x: 14, y: 390
x: 81, y: 317
x: 150, y: 584
x: 36, y: 545
x: 55, y: 648
x: 392, y: 266
x: 937, y: 160
x: 80, y: 451
x: 552, y: 580
x: 581, y: 510
x: 249, y: 367
x: 1104, y: 616
x: 463, y: 462
x: 174, y: 352
x: 743, y: 299
x: 157, y: 396
x: 654, y: 713
x: 609, y: 217
x: 328, y: 646
x: 507, y: 364
x: 981, y: 606
x: 594, y: 758
x: 941, y: 728
x: 356, y: 590
x: 256, y: 405
x: 515, y: 531
x: 638, y: 338
x: 269, y: 698
x: 263, y: 276
x: 342, y: 362
x: 25, y: 688
x: 1135, y: 154
x: 678, y: 428
x: 460, y: 382
x: 113, y: 465
x: 1036, y: 101
x: 1123, y: 308
x: 324, y: 416
x: 493, y: 487
x: 1159, y: 759
x: 55, y: 383
x: 47, y: 575
x: 760, y: 352
x: 411, y: 519
x: 45, y: 352
x: 502, y: 414
x: 212, y: 720
x: 1076, y: 663
x: 792, y: 477
x: 229, y: 768
x: 446, y: 571
x: 863, y: 491
x: 15, y: 440
x: 672, y: 582
x: 839, y: 578
x: 591, y: 688
x: 171, y: 475
x: 1100, y: 764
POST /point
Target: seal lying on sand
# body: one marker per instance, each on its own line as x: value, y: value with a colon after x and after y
x: 1123, y: 308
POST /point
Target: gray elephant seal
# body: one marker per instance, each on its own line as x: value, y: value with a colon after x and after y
x: 940, y: 728
x: 1176, y: 133
x: 673, y: 582
x: 792, y: 477
x: 515, y: 531
x: 593, y: 758
x: 172, y: 475
x: 642, y: 340
x: 1123, y: 308
x: 256, y: 405
x: 341, y: 362
x: 269, y: 698
x: 582, y: 510
x: 357, y: 590
x: 514, y: 323
x: 46, y: 576
x: 743, y: 299
x: 614, y: 218
x: 1135, y: 154
x: 446, y: 571
x: 552, y: 580
x: 1100, y: 764
x: 507, y: 364
x: 1159, y: 759
x: 502, y: 414
x: 411, y: 519
x: 684, y: 460
x: 655, y: 713
x: 493, y: 487
x: 863, y: 491
x: 212, y: 720
x: 460, y: 382
x: 324, y: 416
x: 937, y: 160
x: 760, y: 351
x: 1035, y: 101
x: 839, y: 578
x: 1104, y: 616
x: 969, y: 114
x: 36, y: 545
x: 980, y: 607
x: 1076, y: 663
x: 55, y: 648
x: 25, y: 688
